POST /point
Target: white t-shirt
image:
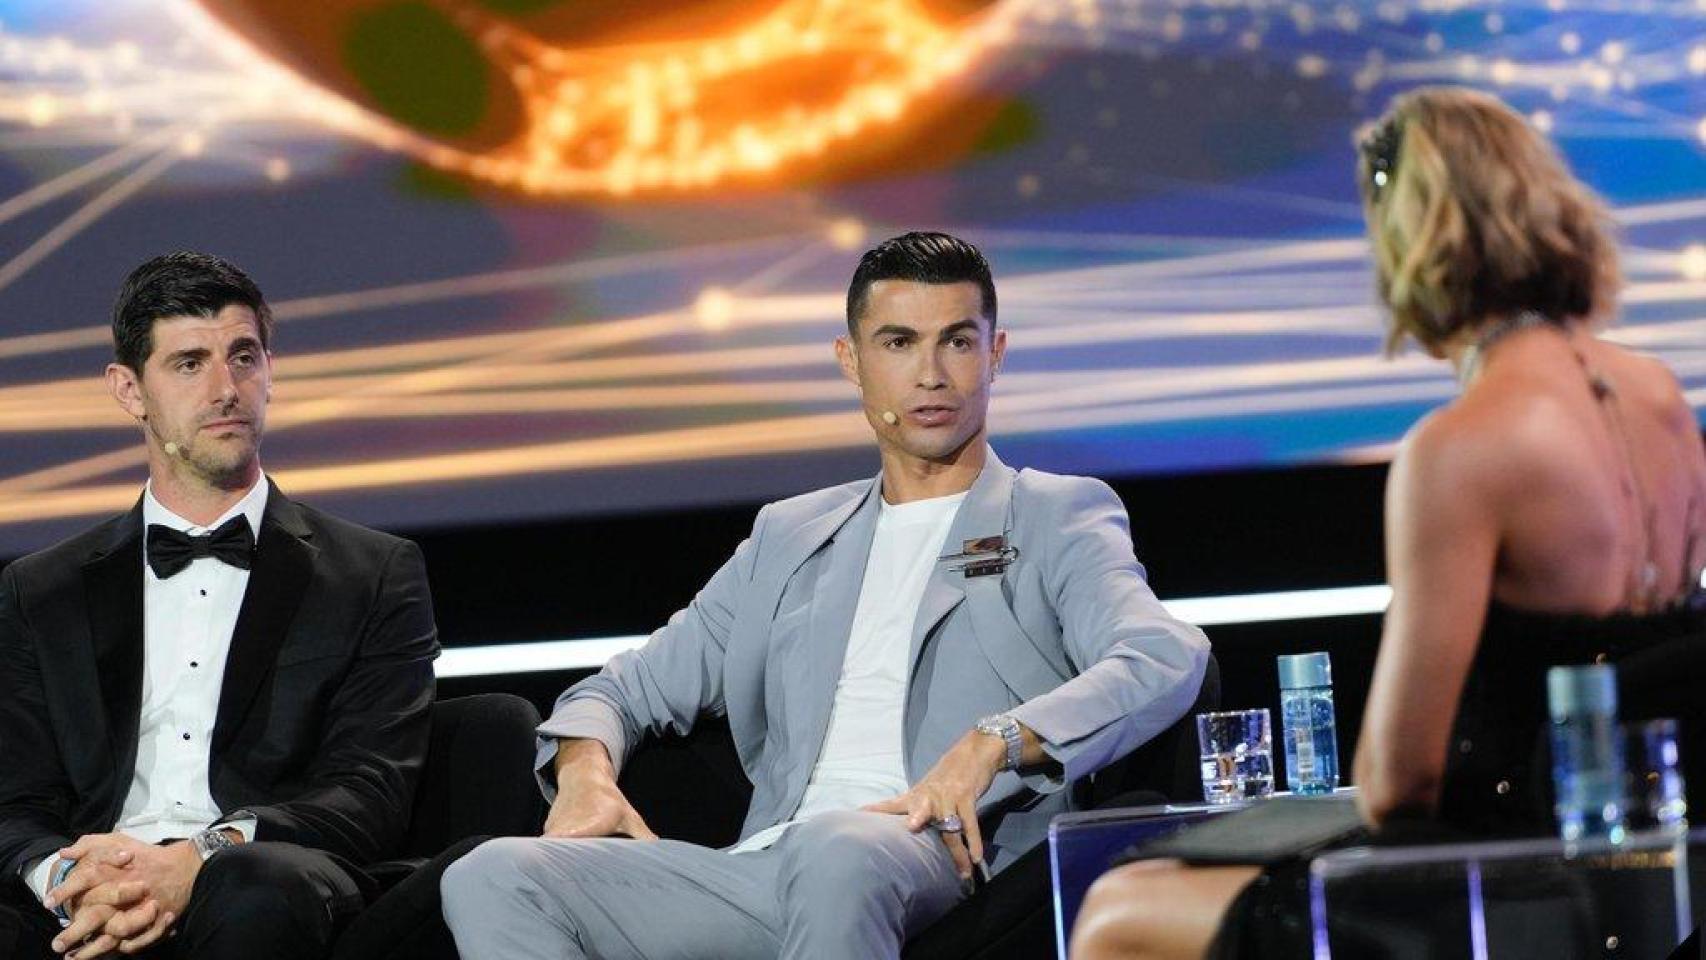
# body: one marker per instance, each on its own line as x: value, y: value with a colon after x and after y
x: 862, y: 760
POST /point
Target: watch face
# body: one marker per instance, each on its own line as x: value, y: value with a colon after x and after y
x: 209, y: 842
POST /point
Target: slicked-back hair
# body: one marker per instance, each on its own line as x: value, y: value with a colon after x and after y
x: 920, y: 257
x: 182, y: 284
x: 1476, y: 217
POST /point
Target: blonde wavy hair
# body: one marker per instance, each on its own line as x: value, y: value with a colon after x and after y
x: 1473, y: 215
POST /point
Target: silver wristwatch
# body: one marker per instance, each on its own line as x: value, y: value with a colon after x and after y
x: 1004, y: 726
x: 209, y: 842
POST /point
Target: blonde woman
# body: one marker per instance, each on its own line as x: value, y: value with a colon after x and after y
x: 1553, y: 513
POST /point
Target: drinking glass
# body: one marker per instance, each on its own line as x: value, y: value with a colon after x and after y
x: 1656, y: 797
x: 1237, y: 755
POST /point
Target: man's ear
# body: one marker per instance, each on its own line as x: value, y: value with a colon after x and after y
x: 847, y: 356
x: 999, y: 349
x: 126, y: 388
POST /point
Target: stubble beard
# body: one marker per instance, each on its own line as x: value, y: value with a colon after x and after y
x: 224, y: 469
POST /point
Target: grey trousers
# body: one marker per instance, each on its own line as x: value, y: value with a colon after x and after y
x: 848, y: 884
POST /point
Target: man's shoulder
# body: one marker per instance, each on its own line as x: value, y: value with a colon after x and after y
x: 1059, y: 492
x: 69, y: 555
x: 808, y: 506
x: 329, y: 530
x: 1053, y: 512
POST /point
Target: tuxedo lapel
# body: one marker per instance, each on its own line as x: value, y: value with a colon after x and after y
x: 112, y: 584
x: 985, y: 512
x: 284, y: 562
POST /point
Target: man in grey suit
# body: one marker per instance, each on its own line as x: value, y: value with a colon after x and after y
x: 913, y: 668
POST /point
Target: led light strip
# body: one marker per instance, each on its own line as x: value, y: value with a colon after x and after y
x: 1203, y: 611
x: 1289, y: 605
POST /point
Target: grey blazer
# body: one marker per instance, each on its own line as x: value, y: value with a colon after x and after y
x: 1069, y: 639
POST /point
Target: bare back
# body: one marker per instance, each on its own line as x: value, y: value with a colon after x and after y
x: 1540, y: 492
x: 1600, y: 500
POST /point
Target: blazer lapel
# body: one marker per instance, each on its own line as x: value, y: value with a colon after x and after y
x: 986, y: 512
x: 835, y: 598
x: 112, y: 583
x: 284, y: 561
x: 800, y: 543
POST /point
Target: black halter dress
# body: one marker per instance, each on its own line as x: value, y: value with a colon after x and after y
x: 1498, y: 775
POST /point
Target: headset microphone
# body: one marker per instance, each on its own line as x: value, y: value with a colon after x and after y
x: 890, y: 418
x: 172, y: 447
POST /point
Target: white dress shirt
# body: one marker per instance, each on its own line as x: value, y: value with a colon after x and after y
x: 187, y: 622
x: 863, y: 757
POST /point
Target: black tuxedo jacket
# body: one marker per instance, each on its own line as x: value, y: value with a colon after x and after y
x: 322, y: 721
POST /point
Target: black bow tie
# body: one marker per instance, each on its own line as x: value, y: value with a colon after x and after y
x: 170, y: 550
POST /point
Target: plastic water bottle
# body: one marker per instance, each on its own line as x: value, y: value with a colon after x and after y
x: 1587, y: 752
x: 1306, y: 715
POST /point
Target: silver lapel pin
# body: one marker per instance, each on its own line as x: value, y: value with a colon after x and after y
x: 983, y: 556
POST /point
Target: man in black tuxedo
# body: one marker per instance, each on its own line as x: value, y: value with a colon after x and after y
x: 214, y: 708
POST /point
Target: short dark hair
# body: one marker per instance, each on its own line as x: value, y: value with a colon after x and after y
x: 182, y: 284
x: 921, y: 257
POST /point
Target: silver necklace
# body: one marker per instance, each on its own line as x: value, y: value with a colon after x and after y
x: 1495, y: 332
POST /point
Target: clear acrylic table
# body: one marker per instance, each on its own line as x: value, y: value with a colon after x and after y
x: 1509, y: 899
x: 1498, y: 899
x: 1083, y: 845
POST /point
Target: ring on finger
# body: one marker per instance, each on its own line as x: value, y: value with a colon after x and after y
x: 948, y: 824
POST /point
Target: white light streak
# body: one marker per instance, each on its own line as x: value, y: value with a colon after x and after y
x: 590, y: 654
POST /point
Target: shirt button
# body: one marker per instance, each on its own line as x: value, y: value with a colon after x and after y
x: 1502, y: 787
x: 203, y: 593
x: 1463, y: 746
x: 194, y: 664
x: 1599, y: 658
x: 186, y: 736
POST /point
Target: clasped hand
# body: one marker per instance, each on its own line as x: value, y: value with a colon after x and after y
x: 123, y: 894
x: 952, y: 788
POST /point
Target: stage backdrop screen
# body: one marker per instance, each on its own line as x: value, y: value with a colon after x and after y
x: 540, y: 258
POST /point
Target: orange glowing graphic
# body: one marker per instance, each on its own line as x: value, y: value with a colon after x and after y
x: 561, y: 98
